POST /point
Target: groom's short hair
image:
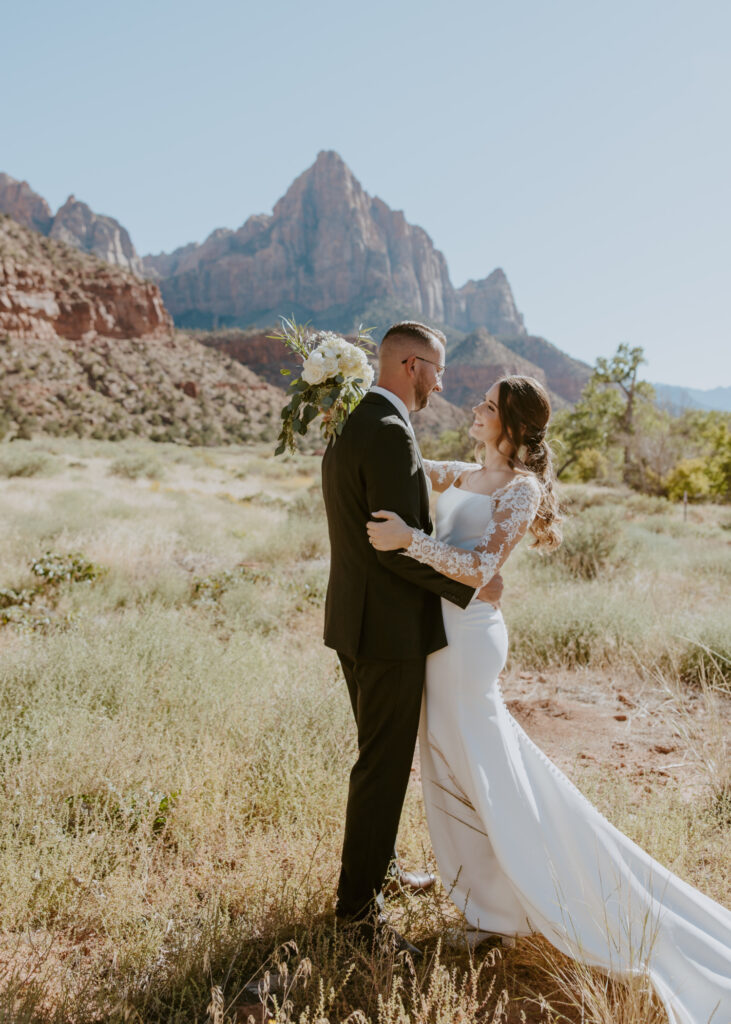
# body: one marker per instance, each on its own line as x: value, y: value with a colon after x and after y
x: 410, y: 331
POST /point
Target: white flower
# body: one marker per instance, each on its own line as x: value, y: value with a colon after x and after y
x: 334, y: 355
x: 354, y: 365
x: 314, y: 370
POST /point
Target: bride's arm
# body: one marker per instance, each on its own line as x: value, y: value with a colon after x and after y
x: 514, y: 512
x: 444, y: 474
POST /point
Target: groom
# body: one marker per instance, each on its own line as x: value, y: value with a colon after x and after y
x: 383, y: 612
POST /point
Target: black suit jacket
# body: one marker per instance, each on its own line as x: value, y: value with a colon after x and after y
x: 380, y: 604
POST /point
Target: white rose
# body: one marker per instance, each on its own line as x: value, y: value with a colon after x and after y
x: 314, y: 370
x: 355, y: 364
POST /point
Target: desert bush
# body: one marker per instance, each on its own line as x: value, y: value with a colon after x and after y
x: 51, y: 571
x: 646, y: 504
x: 580, y: 625
x: 706, y: 651
x: 134, y: 465
x: 19, y: 459
x: 576, y: 498
x: 594, y: 543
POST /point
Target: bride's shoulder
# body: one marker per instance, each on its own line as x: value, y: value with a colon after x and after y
x: 523, y: 487
x: 444, y: 474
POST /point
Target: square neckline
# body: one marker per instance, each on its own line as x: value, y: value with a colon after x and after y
x: 481, y: 494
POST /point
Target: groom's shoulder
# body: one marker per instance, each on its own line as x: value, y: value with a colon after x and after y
x: 375, y: 413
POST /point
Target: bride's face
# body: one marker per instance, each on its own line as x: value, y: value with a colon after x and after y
x: 486, y: 426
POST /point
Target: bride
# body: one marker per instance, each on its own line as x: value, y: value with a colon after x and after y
x: 518, y: 847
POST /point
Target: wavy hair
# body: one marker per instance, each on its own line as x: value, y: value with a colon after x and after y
x: 525, y: 409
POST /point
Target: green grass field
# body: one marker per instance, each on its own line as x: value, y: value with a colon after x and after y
x: 176, y: 740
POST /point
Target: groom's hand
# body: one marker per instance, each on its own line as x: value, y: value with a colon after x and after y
x: 492, y: 591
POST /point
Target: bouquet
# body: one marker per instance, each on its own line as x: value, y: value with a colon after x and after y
x: 335, y: 376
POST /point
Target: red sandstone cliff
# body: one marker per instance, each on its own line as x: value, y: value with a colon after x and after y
x: 90, y: 349
x: 50, y: 290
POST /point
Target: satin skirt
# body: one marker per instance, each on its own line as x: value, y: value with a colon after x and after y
x: 521, y: 850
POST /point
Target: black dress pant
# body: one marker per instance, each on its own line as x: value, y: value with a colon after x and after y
x: 386, y: 700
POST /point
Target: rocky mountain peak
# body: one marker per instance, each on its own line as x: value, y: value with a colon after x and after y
x: 328, y: 251
x: 19, y: 201
x: 326, y: 245
x: 477, y: 362
x: 490, y: 303
x: 76, y: 224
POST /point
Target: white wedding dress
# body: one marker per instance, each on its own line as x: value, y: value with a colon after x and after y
x: 517, y: 845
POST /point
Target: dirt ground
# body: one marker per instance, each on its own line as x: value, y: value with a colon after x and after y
x: 588, y: 721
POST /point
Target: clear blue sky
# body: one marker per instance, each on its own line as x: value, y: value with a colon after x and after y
x: 583, y: 146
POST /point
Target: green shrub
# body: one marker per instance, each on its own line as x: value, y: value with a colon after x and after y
x: 691, y: 477
x: 591, y: 465
x: 51, y: 570
x: 594, y: 542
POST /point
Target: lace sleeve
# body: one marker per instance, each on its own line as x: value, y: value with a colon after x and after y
x: 513, y: 512
x: 443, y: 474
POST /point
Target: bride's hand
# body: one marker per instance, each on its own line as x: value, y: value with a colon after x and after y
x: 389, y: 535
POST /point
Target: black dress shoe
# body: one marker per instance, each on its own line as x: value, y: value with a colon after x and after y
x: 415, y: 882
x: 377, y: 934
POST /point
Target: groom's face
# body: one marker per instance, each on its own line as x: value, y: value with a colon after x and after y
x: 428, y: 376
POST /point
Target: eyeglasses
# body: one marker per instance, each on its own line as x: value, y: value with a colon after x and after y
x: 440, y: 369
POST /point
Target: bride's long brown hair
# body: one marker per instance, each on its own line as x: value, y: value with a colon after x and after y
x: 525, y: 409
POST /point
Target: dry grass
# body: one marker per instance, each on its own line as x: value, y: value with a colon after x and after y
x: 176, y: 743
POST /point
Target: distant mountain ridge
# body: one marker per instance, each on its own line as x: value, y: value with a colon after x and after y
x: 327, y: 250
x: 75, y: 223
x: 709, y: 399
x: 328, y: 253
